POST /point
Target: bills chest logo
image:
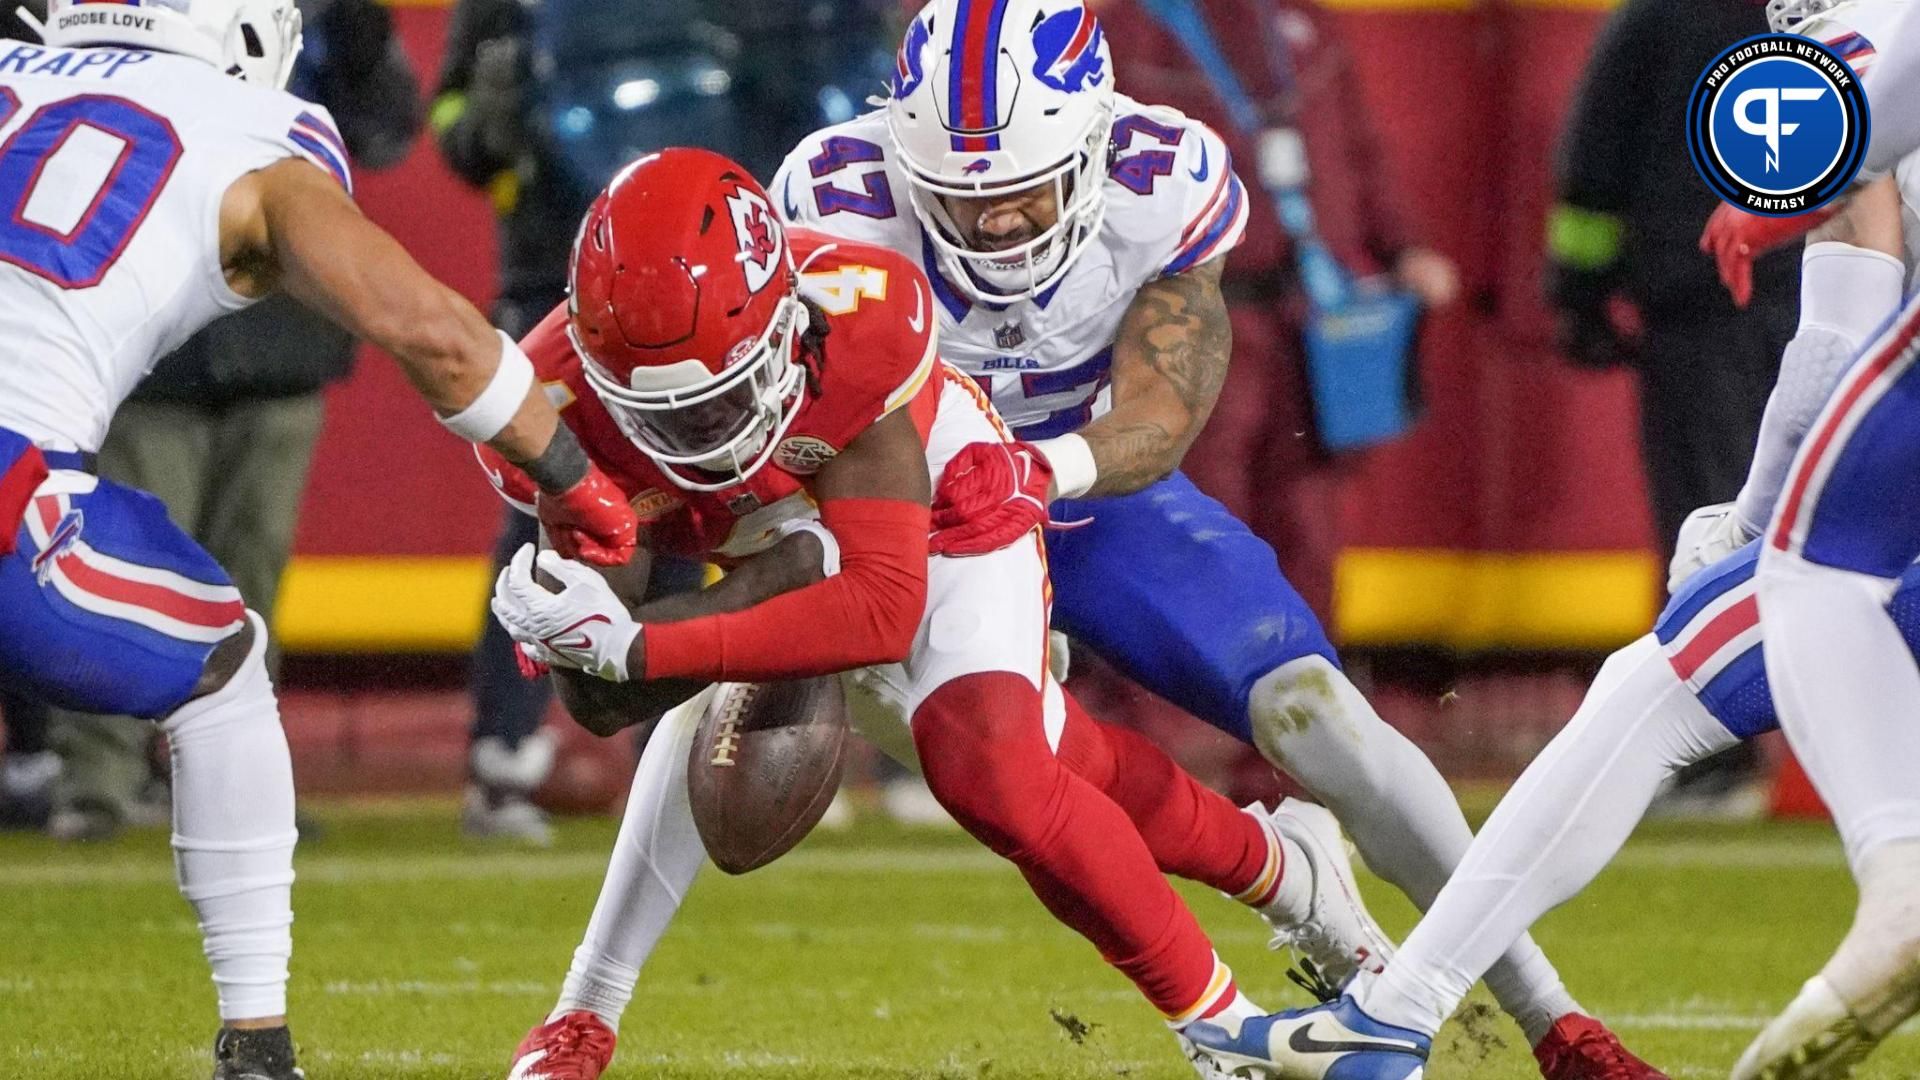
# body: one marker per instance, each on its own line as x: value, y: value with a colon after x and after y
x: 1067, y: 48
x: 910, y: 64
x: 803, y: 455
x: 761, y: 241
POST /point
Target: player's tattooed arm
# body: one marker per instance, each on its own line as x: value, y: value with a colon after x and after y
x: 1169, y: 360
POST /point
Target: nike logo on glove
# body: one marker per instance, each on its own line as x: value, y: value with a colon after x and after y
x: 579, y: 643
x: 1303, y: 1041
x: 1201, y: 172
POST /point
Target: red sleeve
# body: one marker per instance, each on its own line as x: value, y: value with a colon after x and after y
x: 874, y: 605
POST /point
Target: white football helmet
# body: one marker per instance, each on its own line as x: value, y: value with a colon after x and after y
x: 992, y: 97
x: 1849, y: 27
x: 255, y: 40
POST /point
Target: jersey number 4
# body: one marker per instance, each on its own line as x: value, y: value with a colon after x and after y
x: 77, y: 177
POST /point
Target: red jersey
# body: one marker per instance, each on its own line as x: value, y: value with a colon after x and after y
x: 879, y: 356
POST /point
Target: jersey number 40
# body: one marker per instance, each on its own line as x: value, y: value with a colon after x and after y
x: 72, y: 233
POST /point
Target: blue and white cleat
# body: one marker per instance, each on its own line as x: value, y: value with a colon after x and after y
x: 1335, y: 1041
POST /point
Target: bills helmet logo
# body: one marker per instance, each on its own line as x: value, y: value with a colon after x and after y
x: 910, y: 64
x: 1067, y: 45
x: 762, y: 243
x: 977, y: 166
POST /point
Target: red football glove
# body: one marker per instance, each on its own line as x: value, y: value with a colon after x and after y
x: 1735, y: 238
x: 990, y: 495
x: 591, y: 521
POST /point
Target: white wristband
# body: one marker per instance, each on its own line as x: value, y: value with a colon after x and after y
x: 829, y: 544
x: 490, y: 413
x: 1074, y: 470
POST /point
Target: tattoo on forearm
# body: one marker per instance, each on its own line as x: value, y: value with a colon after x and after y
x: 1169, y: 361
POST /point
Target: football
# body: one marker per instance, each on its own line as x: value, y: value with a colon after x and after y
x: 765, y: 763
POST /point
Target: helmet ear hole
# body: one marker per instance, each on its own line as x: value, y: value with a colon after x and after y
x: 251, y: 39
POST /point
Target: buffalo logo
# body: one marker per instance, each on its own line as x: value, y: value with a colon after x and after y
x: 64, y: 536
x: 1068, y: 44
x: 758, y: 234
x: 910, y: 64
x: 978, y: 165
x: 652, y: 504
x: 803, y: 455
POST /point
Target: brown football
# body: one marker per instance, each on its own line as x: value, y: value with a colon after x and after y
x: 764, y: 765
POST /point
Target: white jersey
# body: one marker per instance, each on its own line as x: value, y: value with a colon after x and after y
x: 112, y: 170
x: 1907, y: 175
x: 1172, y: 204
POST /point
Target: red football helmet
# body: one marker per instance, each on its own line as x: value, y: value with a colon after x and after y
x: 684, y: 307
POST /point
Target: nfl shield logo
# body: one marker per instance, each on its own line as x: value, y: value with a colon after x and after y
x: 1009, y: 336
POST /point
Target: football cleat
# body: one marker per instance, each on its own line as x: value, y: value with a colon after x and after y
x: 254, y: 1054
x: 1338, y: 936
x: 1816, y: 1038
x: 1335, y: 1041
x: 1203, y: 1063
x: 577, y: 1046
x: 1579, y: 1047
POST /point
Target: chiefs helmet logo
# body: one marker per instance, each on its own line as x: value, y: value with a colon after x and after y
x: 759, y: 236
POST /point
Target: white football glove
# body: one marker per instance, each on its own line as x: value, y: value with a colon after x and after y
x: 584, y: 625
x: 1709, y: 534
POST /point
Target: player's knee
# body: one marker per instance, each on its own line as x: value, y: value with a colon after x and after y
x: 985, y: 757
x: 230, y: 657
x: 1305, y: 706
x: 239, y: 688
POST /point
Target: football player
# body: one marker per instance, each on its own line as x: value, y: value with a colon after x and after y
x: 154, y: 176
x: 1688, y: 690
x: 1074, y: 241
x: 743, y: 384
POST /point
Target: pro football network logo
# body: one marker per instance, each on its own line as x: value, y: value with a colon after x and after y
x: 1777, y: 124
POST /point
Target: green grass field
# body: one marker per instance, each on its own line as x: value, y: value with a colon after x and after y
x: 870, y: 954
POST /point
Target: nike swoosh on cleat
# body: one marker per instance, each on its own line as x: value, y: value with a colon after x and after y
x: 1201, y: 172
x: 1303, y: 1041
x: 523, y: 1069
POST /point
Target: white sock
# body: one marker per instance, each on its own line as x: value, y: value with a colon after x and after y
x: 233, y: 834
x: 655, y: 860
x: 1876, y: 970
x: 1848, y: 693
x: 1559, y: 826
x: 1395, y: 806
x: 1238, y: 1009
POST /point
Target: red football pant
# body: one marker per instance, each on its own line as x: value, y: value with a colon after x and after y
x: 1193, y: 831
x: 983, y: 748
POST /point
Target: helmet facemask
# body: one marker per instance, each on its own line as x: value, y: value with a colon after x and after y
x: 709, y: 432
x: 1029, y: 268
x: 1788, y: 16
